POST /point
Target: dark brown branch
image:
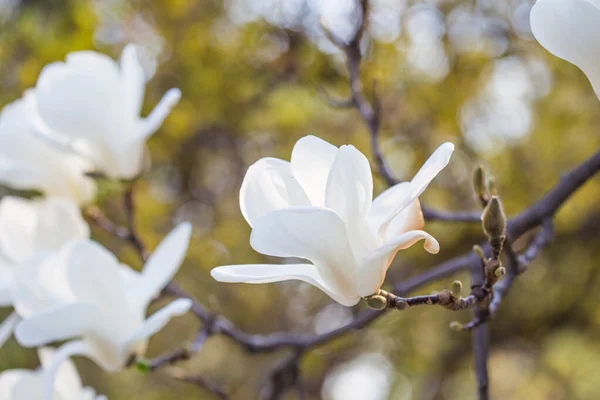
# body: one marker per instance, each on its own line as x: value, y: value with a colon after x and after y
x: 200, y: 382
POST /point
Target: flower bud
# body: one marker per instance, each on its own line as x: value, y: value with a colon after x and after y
x: 479, y: 251
x: 376, y: 302
x: 456, y: 326
x: 457, y: 288
x: 501, y: 271
x: 479, y: 181
x: 494, y: 219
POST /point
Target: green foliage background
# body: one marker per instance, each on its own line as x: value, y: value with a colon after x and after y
x: 239, y: 105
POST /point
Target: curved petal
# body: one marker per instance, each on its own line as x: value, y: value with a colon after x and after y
x: 61, y: 355
x: 132, y: 76
x: 385, y: 203
x: 67, y: 381
x: 29, y: 162
x: 409, y: 219
x: 434, y: 164
x: 59, y: 222
x: 19, y: 384
x: 569, y: 30
x: 81, y: 98
x: 59, y: 323
x: 401, y: 195
x: 311, y: 161
x: 94, y: 276
x: 266, y: 273
x: 156, y: 322
x: 18, y: 222
x: 161, y: 111
x: 349, y: 190
x: 7, y: 327
x: 269, y: 185
x: 12, y: 379
x: 313, y: 233
x: 371, y: 272
x: 162, y: 264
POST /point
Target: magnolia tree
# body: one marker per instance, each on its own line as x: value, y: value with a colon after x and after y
x: 81, y: 125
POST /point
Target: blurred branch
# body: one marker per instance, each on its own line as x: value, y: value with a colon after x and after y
x: 370, y: 112
x: 538, y: 213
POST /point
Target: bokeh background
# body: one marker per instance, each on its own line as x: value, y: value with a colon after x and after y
x: 251, y: 72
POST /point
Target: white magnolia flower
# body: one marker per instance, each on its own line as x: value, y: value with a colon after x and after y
x: 320, y: 207
x: 28, y: 162
x: 24, y: 384
x: 81, y: 294
x: 91, y: 104
x: 29, y: 231
x: 569, y: 30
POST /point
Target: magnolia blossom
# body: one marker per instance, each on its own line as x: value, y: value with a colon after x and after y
x: 24, y: 384
x: 569, y: 30
x: 83, y: 294
x: 320, y: 207
x: 91, y: 105
x: 28, y: 162
x: 29, y: 231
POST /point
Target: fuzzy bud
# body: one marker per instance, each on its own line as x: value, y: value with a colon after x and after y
x: 376, y: 302
x: 494, y: 219
x: 479, y: 181
x: 479, y: 251
x: 501, y: 271
x: 456, y: 326
x: 457, y: 288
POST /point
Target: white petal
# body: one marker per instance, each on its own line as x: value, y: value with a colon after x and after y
x: 163, y: 264
x: 265, y: 273
x: 156, y: 322
x: 408, y: 219
x: 132, y: 76
x: 162, y: 110
x: 269, y: 185
x: 313, y: 233
x: 401, y: 196
x: 569, y: 30
x: 27, y: 162
x: 67, y: 380
x: 59, y: 323
x: 82, y: 98
x: 371, y: 273
x: 7, y: 327
x: 311, y: 161
x: 385, y: 204
x: 94, y: 276
x: 66, y: 351
x: 17, y: 384
x: 11, y: 382
x: 18, y: 223
x: 349, y: 190
x: 434, y: 164
x: 6, y: 284
x: 59, y: 222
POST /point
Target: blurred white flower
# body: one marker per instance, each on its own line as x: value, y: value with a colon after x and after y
x: 29, y: 231
x: 24, y: 384
x: 28, y: 162
x: 91, y: 105
x: 320, y: 207
x: 569, y: 30
x: 83, y: 293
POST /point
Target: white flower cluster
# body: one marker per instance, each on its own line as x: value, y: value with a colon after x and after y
x: 83, y: 116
